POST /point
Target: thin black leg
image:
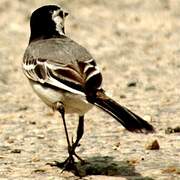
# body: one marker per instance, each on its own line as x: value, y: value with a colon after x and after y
x: 80, y: 131
x: 60, y: 108
x: 69, y: 163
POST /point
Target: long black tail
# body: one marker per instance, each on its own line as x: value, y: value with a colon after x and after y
x: 128, y: 119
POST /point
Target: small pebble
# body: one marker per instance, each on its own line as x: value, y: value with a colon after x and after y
x: 16, y: 151
x: 32, y: 122
x: 133, y: 161
x: 39, y: 171
x: 169, y: 170
x: 171, y: 130
x: 10, y: 141
x: 122, y: 96
x: 24, y: 108
x: 116, y: 146
x: 132, y: 84
x: 40, y: 136
x: 153, y: 145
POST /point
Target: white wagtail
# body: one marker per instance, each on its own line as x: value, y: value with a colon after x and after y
x: 65, y: 76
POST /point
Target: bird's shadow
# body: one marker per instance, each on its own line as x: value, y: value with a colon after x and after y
x: 106, y: 165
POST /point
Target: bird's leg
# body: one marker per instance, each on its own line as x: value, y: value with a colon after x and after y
x: 71, y: 148
x: 69, y: 162
x: 80, y: 132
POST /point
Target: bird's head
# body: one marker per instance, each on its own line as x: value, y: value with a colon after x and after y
x: 47, y: 21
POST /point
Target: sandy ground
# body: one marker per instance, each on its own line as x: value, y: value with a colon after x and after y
x: 137, y: 46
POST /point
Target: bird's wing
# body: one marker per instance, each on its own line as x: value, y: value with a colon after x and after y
x: 67, y: 66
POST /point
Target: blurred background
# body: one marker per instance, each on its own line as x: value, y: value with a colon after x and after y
x: 136, y: 44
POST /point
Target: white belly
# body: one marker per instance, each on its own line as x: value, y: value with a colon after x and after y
x: 73, y: 103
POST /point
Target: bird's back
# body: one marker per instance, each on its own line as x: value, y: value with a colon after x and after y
x: 58, y: 50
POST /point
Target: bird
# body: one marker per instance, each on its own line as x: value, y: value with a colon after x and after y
x: 67, y: 78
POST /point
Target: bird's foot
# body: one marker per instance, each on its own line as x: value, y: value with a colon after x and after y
x: 69, y: 163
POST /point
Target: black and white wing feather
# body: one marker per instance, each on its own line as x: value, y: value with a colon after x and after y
x: 74, y: 76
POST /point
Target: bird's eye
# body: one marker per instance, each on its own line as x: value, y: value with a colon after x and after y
x: 61, y: 14
x: 66, y: 14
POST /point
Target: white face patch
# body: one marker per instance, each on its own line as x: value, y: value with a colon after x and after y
x: 59, y: 21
